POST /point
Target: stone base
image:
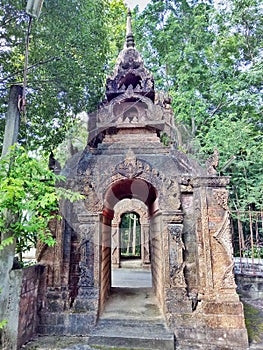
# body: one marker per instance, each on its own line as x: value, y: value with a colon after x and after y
x: 212, y: 326
x: 66, y: 323
x: 211, y: 339
x: 120, y: 333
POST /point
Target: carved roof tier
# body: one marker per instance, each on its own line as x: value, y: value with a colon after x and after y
x: 129, y: 72
x: 132, y: 104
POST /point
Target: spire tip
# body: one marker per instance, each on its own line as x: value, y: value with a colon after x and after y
x: 129, y: 34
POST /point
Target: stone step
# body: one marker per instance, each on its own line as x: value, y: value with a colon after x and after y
x: 132, y: 334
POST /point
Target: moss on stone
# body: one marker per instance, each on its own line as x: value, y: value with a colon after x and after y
x: 254, y: 323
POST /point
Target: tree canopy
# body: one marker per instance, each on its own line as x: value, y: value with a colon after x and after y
x: 209, y: 58
x: 67, y: 56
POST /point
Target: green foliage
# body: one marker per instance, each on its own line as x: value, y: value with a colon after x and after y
x: 2, y: 324
x: 241, y: 138
x: 126, y: 234
x: 67, y: 54
x: 29, y: 199
x: 257, y: 252
x: 116, y: 29
x: 5, y: 242
x: 210, y: 61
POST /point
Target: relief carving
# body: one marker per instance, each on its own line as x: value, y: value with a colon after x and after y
x: 131, y: 167
x: 211, y: 181
x: 86, y: 263
x: 104, y: 115
x: 177, y: 263
x: 228, y: 277
x: 86, y: 275
x: 171, y: 195
x: 221, y: 197
x: 212, y: 163
x: 129, y: 72
x: 177, y: 275
x: 92, y: 201
x: 176, y: 234
x: 223, y: 237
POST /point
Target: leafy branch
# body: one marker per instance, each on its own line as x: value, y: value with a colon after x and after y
x: 30, y: 194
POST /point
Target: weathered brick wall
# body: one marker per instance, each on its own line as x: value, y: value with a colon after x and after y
x: 105, y: 261
x: 74, y: 270
x: 29, y: 303
x: 157, y: 257
x: 189, y: 238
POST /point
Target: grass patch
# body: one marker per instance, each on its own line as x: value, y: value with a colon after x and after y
x: 254, y: 323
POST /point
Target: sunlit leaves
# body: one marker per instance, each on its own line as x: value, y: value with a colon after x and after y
x: 209, y: 58
x: 30, y: 193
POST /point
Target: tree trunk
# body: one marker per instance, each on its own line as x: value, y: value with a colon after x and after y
x: 134, y: 236
x: 12, y: 118
x: 8, y: 252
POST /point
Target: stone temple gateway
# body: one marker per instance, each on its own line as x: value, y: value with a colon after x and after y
x: 183, y: 211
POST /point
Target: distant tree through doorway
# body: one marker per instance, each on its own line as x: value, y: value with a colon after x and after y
x: 130, y: 236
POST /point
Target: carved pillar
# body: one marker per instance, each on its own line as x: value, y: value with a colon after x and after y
x: 145, y: 243
x: 213, y: 236
x: 115, y: 241
x: 173, y: 256
x: 221, y: 241
x: 87, y: 298
x: 175, y: 292
x: 203, y: 240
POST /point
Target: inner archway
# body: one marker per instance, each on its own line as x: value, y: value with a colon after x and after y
x: 130, y: 236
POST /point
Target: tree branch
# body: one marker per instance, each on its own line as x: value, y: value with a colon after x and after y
x: 30, y: 67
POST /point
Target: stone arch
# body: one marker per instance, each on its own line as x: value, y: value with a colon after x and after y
x: 163, y: 191
x: 124, y: 206
x: 130, y: 188
x: 131, y: 191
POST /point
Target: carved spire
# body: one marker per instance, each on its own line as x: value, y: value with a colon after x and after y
x: 129, y: 34
x: 130, y: 75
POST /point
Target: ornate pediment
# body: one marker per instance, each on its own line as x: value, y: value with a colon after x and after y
x: 131, y: 167
x: 130, y: 73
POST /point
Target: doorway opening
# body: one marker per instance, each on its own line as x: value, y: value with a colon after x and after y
x: 130, y: 236
x: 131, y: 233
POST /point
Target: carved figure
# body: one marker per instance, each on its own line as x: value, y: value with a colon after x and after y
x: 222, y: 198
x: 177, y: 264
x: 86, y: 275
x: 177, y: 275
x: 212, y: 163
x: 172, y: 199
x: 223, y: 236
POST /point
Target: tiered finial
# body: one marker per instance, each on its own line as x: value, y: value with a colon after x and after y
x: 129, y: 34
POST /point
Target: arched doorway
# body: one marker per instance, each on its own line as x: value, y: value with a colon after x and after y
x: 123, y: 198
x: 130, y: 233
